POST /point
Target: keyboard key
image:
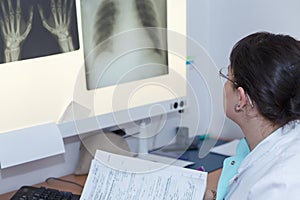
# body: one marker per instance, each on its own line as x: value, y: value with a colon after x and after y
x: 42, y: 193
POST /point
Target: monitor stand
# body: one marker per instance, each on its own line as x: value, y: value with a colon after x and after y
x: 143, y: 152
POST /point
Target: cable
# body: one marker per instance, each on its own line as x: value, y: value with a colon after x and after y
x: 63, y: 180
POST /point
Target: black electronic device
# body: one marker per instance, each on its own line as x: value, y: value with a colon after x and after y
x: 42, y: 193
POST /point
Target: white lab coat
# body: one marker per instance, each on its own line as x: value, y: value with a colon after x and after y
x: 272, y: 169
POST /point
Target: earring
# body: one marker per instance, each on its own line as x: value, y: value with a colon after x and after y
x: 237, y: 108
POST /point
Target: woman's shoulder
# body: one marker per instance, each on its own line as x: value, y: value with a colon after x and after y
x: 278, y: 182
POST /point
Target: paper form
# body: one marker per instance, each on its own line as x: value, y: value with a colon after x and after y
x: 158, y: 181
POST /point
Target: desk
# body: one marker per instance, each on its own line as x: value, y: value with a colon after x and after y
x: 211, y: 162
x: 212, y: 182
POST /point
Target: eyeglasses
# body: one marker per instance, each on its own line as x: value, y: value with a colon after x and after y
x: 223, y: 72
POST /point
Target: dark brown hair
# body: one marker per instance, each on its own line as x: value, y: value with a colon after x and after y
x: 267, y: 66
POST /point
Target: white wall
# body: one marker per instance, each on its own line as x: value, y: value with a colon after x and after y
x: 219, y: 24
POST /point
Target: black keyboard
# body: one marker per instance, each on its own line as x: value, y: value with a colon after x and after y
x: 42, y: 193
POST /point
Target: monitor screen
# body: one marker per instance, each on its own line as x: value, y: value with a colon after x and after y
x: 75, y: 59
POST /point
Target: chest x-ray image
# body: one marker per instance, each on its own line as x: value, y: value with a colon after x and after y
x: 35, y: 28
x: 123, y: 40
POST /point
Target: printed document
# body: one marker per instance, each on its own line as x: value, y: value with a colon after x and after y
x: 113, y: 176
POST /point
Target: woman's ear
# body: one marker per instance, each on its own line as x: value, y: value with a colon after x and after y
x: 242, y: 98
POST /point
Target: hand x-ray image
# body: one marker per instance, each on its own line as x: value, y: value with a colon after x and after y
x: 123, y: 40
x: 35, y: 28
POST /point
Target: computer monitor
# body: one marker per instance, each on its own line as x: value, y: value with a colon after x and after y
x: 134, y: 56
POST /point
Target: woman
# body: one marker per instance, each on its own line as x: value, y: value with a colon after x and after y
x: 262, y: 95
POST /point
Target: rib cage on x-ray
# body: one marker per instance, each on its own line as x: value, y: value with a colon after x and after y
x: 107, y: 15
x: 148, y: 18
x: 105, y: 20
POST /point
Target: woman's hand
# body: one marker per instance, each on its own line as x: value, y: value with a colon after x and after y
x: 210, y: 195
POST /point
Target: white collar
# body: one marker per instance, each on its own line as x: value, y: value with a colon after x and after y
x: 279, y: 136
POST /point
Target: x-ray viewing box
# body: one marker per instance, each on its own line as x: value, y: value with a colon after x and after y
x: 37, y: 91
